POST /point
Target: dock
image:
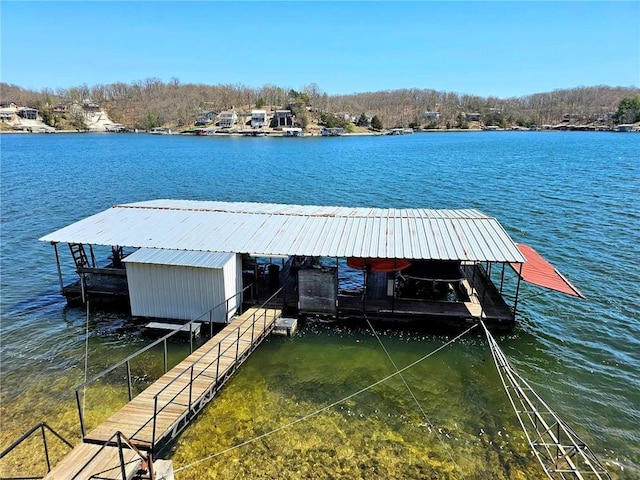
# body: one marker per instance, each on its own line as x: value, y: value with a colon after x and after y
x: 164, y: 409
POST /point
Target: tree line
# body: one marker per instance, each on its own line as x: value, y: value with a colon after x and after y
x: 152, y: 102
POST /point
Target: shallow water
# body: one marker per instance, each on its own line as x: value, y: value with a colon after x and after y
x: 573, y: 196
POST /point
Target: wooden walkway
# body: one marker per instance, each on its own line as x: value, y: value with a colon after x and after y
x: 164, y: 409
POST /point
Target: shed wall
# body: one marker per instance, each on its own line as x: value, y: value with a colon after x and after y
x: 182, y: 292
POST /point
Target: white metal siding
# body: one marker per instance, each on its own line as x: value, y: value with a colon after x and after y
x: 182, y: 292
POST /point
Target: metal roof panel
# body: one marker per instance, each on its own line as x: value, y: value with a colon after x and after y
x: 273, y: 229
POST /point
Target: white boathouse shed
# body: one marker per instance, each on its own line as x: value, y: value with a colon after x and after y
x: 182, y: 284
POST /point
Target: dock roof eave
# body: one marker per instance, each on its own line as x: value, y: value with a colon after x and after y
x: 275, y: 229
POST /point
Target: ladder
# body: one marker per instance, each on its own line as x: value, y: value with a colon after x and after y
x: 79, y: 255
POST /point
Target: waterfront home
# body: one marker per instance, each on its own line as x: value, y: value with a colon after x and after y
x: 258, y: 118
x: 28, y: 113
x: 472, y: 117
x: 431, y: 116
x: 8, y: 114
x: 227, y: 119
x: 206, y: 117
x: 283, y: 118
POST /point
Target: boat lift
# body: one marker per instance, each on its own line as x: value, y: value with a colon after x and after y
x: 560, y: 451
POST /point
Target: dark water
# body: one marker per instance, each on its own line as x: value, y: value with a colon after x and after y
x: 574, y: 196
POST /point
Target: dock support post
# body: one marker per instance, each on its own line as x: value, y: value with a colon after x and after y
x: 515, y: 302
x: 93, y: 257
x: 502, y: 279
x: 487, y: 280
x: 55, y: 249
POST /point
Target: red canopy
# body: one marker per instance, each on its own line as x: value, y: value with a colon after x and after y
x: 538, y: 271
x: 378, y: 264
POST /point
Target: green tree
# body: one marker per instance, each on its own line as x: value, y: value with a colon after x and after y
x: 47, y: 115
x: 77, y: 121
x: 151, y: 120
x: 260, y: 103
x: 362, y: 121
x: 376, y: 123
x: 628, y: 110
x: 331, y: 121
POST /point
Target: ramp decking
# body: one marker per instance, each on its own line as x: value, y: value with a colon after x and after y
x: 161, y: 412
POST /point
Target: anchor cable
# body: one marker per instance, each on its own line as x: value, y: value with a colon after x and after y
x: 424, y: 414
x: 325, y: 408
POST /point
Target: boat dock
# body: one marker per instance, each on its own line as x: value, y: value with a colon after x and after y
x: 164, y: 409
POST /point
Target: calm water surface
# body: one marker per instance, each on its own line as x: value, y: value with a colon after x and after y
x: 573, y: 196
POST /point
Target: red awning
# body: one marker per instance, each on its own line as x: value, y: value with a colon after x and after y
x: 538, y: 271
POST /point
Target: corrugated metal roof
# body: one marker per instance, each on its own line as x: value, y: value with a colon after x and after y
x: 275, y: 229
x: 181, y: 258
x: 538, y: 271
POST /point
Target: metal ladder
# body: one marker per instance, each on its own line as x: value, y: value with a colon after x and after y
x: 79, y: 255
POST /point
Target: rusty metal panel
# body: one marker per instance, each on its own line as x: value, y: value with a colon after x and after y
x: 318, y: 291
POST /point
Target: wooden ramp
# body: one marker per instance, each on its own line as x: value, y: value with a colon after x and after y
x: 164, y: 409
x: 93, y: 461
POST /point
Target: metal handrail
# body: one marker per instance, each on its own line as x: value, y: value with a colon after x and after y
x: 163, y: 340
x: 252, y: 319
x: 39, y: 426
x: 120, y: 438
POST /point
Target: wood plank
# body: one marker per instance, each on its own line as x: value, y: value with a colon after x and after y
x: 105, y: 465
x: 135, y: 419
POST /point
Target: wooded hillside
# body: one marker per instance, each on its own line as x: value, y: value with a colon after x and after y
x: 152, y: 102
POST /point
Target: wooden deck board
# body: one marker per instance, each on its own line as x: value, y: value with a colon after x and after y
x: 135, y: 419
x: 106, y: 464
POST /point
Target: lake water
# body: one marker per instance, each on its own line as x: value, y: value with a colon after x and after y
x: 573, y: 196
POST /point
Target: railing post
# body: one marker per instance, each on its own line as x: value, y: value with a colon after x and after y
x: 165, y: 356
x: 218, y: 364
x: 121, y: 455
x: 46, y: 450
x: 129, y: 381
x: 253, y: 327
x: 80, y: 414
x: 155, y: 415
x: 191, y: 337
x: 237, y: 344
x: 190, y: 386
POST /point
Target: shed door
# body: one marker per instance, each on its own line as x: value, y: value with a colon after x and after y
x: 318, y: 290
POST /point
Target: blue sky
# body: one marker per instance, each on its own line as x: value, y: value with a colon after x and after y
x: 495, y: 48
